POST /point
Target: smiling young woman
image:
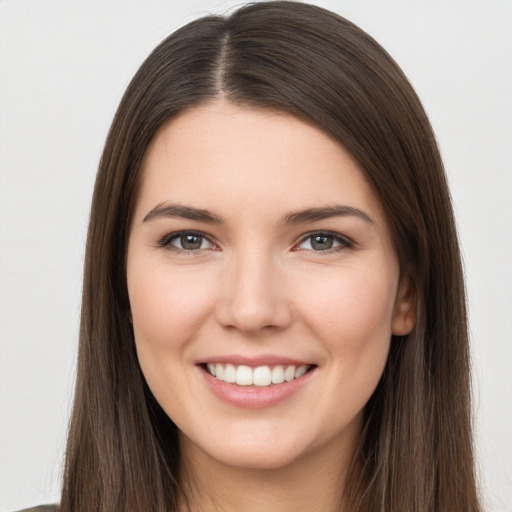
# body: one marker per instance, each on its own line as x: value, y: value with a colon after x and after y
x: 273, y: 313
x: 267, y: 313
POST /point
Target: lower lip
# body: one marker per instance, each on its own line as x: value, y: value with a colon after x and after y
x: 254, y: 397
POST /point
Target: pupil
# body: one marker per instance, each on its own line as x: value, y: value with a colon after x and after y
x: 190, y: 242
x: 321, y: 242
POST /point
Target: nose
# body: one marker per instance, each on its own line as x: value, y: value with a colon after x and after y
x: 254, y: 297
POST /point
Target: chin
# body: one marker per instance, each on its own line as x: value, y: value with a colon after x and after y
x: 247, y: 452
x: 260, y: 459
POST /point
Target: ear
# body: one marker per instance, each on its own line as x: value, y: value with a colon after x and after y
x: 404, y: 315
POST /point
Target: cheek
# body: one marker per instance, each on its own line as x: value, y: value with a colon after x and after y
x: 351, y: 314
x: 353, y: 307
x: 351, y: 317
x: 166, y: 306
x: 168, y: 309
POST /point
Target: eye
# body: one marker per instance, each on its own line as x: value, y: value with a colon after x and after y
x: 324, y: 241
x: 186, y: 241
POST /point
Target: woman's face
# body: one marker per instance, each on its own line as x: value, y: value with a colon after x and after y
x: 259, y: 253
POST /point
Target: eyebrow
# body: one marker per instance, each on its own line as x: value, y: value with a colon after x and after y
x: 327, y: 212
x: 163, y: 210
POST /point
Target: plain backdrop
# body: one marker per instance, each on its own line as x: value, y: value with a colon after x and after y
x: 63, y: 68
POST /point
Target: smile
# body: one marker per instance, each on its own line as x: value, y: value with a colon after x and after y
x: 261, y: 376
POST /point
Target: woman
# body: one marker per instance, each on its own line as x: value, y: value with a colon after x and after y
x: 273, y: 312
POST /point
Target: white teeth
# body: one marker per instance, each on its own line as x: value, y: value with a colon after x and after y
x: 277, y: 375
x: 261, y: 376
x: 289, y: 373
x: 300, y: 371
x: 230, y: 373
x: 244, y: 376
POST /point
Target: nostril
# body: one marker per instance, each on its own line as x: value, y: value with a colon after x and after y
x: 254, y: 317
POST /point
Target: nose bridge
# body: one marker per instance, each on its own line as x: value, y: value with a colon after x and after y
x: 254, y: 296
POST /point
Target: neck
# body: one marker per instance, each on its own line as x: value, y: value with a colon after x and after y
x: 314, y: 483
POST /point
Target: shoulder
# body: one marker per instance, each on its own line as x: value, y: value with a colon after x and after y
x: 42, y: 508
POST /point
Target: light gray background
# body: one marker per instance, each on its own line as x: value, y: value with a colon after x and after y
x: 63, y: 68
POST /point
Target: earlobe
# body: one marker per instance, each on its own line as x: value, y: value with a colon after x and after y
x: 404, y: 315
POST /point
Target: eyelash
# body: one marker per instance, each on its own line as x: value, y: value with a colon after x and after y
x: 344, y: 242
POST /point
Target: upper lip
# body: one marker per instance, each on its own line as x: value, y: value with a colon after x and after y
x: 255, y: 361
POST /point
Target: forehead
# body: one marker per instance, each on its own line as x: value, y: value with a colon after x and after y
x: 234, y: 158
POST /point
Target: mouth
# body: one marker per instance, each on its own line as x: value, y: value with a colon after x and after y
x: 259, y: 376
x: 258, y: 382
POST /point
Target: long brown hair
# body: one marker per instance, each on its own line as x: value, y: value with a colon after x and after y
x: 415, y: 452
